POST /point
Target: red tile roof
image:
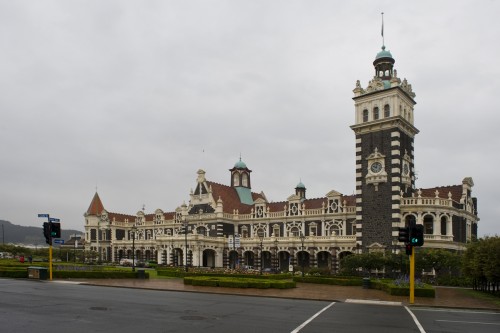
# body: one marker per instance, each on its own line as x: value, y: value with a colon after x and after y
x: 96, y: 207
x: 230, y: 198
x: 455, y: 190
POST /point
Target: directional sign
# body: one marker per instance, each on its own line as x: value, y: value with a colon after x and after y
x: 53, y: 219
x: 43, y: 215
x: 58, y: 241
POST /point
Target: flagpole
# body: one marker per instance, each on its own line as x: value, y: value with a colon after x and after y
x: 383, y: 42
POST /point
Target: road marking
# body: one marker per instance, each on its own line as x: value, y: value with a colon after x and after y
x: 467, y: 322
x: 364, y: 301
x: 415, y: 320
x: 66, y: 282
x: 311, y: 319
x: 486, y: 311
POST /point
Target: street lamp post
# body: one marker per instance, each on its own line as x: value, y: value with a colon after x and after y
x: 199, y: 252
x: 261, y: 238
x: 276, y: 259
x: 185, y: 224
x: 134, y: 231
x: 302, y: 238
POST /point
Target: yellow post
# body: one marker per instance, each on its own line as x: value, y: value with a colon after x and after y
x: 412, y: 275
x: 50, y: 262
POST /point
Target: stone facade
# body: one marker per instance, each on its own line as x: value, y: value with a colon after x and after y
x: 231, y: 226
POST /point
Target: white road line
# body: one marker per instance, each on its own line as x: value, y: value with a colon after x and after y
x: 415, y: 320
x: 364, y: 301
x: 467, y: 322
x: 311, y: 319
x: 486, y: 311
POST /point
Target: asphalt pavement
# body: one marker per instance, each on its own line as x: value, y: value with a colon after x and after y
x: 445, y: 297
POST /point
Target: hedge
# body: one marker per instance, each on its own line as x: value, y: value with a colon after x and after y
x: 391, y: 289
x: 353, y: 281
x: 181, y: 273
x: 96, y: 274
x: 230, y: 282
x: 16, y: 273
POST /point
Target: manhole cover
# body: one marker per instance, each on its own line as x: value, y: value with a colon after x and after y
x: 192, y: 318
x: 99, y: 308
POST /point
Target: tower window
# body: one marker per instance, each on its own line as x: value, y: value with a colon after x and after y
x: 365, y: 116
x: 387, y: 111
x: 244, y: 180
x: 375, y: 113
x: 236, y: 179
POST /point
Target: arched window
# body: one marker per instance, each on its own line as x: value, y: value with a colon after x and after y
x: 335, y: 230
x: 244, y: 180
x: 294, y: 232
x: 443, y: 225
x: 365, y: 116
x: 236, y: 179
x: 428, y: 224
x: 387, y: 111
x: 375, y: 113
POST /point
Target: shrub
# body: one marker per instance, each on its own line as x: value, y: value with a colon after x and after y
x: 231, y: 282
x: 344, y: 281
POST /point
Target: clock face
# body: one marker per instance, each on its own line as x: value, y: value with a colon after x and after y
x: 406, y: 169
x: 376, y: 167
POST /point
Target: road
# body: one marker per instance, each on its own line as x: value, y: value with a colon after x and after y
x: 43, y: 306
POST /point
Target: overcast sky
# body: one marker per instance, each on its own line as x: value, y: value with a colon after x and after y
x: 133, y: 97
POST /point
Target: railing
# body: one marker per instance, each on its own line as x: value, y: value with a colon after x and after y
x: 426, y: 202
x: 447, y: 238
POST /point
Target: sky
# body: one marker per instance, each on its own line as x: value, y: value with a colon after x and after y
x: 132, y: 98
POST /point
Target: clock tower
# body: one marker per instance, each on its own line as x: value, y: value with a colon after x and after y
x: 385, y: 132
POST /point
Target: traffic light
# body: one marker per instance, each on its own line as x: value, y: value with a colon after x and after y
x: 46, y: 232
x: 404, y: 235
x: 417, y: 235
x: 55, y: 230
x: 408, y: 249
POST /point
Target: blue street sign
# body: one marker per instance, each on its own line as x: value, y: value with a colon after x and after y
x: 43, y: 215
x: 58, y: 241
x: 53, y: 219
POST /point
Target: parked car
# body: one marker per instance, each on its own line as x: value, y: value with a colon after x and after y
x: 127, y: 262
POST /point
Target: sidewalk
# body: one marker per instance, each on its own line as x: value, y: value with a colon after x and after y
x: 445, y: 297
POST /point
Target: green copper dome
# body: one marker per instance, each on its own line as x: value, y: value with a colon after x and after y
x: 240, y: 165
x: 383, y: 54
x: 300, y: 185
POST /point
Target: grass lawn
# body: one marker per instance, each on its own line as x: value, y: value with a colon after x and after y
x: 483, y: 296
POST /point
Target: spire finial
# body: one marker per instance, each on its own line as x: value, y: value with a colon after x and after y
x: 383, y: 42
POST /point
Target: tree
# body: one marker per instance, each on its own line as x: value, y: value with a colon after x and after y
x: 481, y: 261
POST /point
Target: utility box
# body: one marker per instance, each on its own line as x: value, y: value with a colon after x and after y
x: 38, y: 273
x: 141, y: 274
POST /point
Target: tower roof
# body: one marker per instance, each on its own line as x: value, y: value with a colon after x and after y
x: 384, y: 54
x: 96, y: 207
x: 240, y: 164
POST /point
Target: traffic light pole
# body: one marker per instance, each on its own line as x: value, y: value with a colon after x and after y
x: 412, y: 275
x: 50, y: 259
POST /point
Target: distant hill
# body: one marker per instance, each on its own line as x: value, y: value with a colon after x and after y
x: 18, y: 234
